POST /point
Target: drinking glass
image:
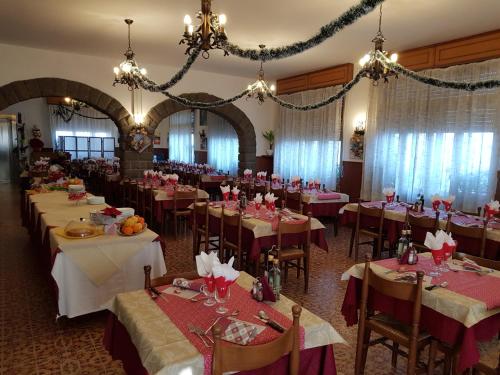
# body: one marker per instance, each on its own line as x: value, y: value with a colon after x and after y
x: 437, y: 256
x: 448, y: 251
x: 208, y: 290
x: 221, y: 296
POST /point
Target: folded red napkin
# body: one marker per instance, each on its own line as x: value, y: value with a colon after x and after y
x: 237, y: 331
x: 267, y: 292
x: 188, y: 284
x: 111, y: 211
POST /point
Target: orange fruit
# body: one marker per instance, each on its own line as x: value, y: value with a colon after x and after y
x: 137, y: 227
x: 127, y: 230
x: 141, y: 220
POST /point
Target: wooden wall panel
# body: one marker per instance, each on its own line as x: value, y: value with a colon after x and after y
x: 417, y: 59
x: 336, y: 75
x: 264, y: 163
x: 350, y: 182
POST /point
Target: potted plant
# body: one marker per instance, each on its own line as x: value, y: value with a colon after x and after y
x: 269, y: 136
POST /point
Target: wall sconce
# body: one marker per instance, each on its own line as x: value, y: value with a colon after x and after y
x: 358, y: 137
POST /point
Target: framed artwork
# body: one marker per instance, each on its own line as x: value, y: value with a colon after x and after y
x: 139, y: 139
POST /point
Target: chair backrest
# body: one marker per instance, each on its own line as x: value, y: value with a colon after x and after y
x: 231, y: 223
x: 424, y: 222
x: 403, y: 291
x: 231, y: 357
x: 165, y: 279
x: 477, y: 233
x: 280, y: 193
x: 293, y: 200
x: 190, y: 195
x: 262, y: 189
x: 373, y: 212
x: 285, y: 228
x: 483, y: 262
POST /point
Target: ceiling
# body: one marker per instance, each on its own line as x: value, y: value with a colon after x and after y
x: 96, y: 27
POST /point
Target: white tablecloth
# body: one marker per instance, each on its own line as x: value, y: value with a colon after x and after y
x: 78, y: 295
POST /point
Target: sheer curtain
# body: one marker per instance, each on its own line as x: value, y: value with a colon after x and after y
x: 180, y: 139
x: 308, y: 142
x: 424, y: 139
x: 223, y: 147
x: 81, y: 126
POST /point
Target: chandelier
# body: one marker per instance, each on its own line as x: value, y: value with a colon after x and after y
x: 128, y: 70
x: 210, y: 34
x: 372, y: 67
x: 259, y: 89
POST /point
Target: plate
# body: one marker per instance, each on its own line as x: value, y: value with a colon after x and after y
x: 247, y: 216
x: 118, y: 230
x: 60, y: 232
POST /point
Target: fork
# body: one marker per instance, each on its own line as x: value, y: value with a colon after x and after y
x: 194, y: 330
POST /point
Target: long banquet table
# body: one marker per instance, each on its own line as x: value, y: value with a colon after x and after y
x: 152, y: 337
x: 395, y: 216
x: 260, y: 230
x: 464, y: 313
x: 88, y: 272
x: 323, y: 204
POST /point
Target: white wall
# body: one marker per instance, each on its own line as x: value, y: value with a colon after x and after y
x: 33, y: 112
x: 19, y: 63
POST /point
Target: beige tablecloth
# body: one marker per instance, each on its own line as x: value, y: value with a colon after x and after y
x: 163, y: 348
x: 491, y: 234
x: 466, y: 310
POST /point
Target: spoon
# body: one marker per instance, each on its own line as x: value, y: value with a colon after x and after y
x: 444, y: 284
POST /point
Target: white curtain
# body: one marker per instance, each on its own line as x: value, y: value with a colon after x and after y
x: 180, y: 139
x: 81, y: 126
x: 223, y: 146
x: 424, y: 139
x: 308, y: 142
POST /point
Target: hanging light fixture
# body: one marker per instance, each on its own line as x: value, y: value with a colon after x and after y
x: 137, y: 112
x: 126, y: 72
x: 210, y: 34
x: 371, y: 66
x: 259, y: 89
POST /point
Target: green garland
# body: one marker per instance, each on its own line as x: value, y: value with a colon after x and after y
x: 347, y: 87
x: 150, y: 85
x: 196, y: 104
x: 327, y: 31
x: 395, y: 67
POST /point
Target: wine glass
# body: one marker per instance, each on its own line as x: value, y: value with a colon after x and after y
x: 221, y: 296
x: 437, y: 256
x: 208, y: 290
x: 448, y: 251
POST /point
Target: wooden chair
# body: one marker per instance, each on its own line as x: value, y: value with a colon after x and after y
x: 280, y: 193
x: 376, y: 233
x: 130, y: 187
x: 148, y: 205
x: 181, y: 210
x: 293, y: 201
x: 230, y: 237
x: 389, y: 328
x: 295, y: 256
x: 201, y: 230
x: 231, y: 357
x: 262, y: 189
x: 476, y: 233
x: 419, y: 226
x: 165, y: 279
x: 483, y: 262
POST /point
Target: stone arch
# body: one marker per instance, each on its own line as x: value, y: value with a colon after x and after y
x: 235, y: 116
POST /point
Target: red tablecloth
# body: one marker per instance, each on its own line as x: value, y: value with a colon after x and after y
x: 438, y: 325
x: 322, y: 209
x: 315, y: 361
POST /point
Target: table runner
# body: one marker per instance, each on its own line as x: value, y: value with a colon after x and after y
x: 313, y: 196
x: 163, y: 347
x: 183, y: 312
x: 456, y: 301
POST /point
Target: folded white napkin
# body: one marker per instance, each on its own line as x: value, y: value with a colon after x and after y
x: 269, y: 197
x: 235, y: 190
x: 174, y: 176
x: 261, y: 174
x: 247, y: 172
x: 435, y: 197
x: 205, y: 263
x: 296, y: 178
x: 436, y: 242
x: 225, y: 270
x: 258, y: 198
x: 276, y: 176
x: 225, y: 189
x: 493, y: 205
x: 388, y: 191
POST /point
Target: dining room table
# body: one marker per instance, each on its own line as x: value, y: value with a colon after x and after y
x: 461, y: 314
x: 260, y: 226
x: 86, y: 273
x: 172, y: 334
x: 323, y: 203
x: 395, y: 217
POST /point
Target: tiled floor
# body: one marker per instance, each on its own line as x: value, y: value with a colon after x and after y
x: 32, y: 342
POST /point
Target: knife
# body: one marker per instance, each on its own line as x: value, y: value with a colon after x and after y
x: 271, y: 323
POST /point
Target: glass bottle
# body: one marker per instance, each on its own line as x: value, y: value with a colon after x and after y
x: 402, y: 243
x: 412, y: 255
x: 269, y: 270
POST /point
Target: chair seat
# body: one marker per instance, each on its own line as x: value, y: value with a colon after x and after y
x: 489, y: 360
x: 394, y: 330
x: 291, y: 253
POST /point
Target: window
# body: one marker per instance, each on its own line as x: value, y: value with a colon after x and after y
x: 88, y: 147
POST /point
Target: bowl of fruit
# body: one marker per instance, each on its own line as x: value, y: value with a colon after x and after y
x: 132, y: 226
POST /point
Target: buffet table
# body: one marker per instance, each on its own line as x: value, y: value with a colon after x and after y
x: 461, y: 315
x: 89, y: 272
x: 152, y: 337
x: 395, y: 216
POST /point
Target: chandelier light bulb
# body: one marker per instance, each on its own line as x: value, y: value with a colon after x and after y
x: 394, y: 57
x: 190, y: 29
x: 222, y: 19
x: 259, y: 84
x: 126, y: 67
x: 364, y: 60
x: 143, y: 71
x: 116, y: 70
x: 138, y: 118
x: 67, y: 99
x: 187, y: 20
x: 272, y: 88
x: 249, y: 87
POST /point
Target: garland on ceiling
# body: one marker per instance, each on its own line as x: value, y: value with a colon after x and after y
x: 67, y: 114
x: 202, y: 105
x: 472, y: 86
x: 326, y: 32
